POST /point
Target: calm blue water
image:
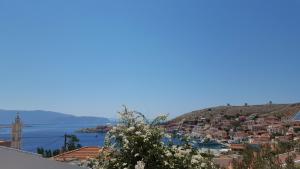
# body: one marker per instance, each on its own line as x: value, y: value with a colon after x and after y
x: 52, y: 136
x: 297, y: 116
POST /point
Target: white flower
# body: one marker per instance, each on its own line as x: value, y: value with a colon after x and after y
x: 194, y: 161
x: 168, y: 153
x: 131, y: 128
x: 168, y: 136
x: 139, y: 165
x: 203, y: 165
x: 166, y: 163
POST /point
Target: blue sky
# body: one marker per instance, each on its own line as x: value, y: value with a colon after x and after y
x: 158, y: 56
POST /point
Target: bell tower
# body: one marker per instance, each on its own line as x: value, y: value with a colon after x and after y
x: 16, y: 133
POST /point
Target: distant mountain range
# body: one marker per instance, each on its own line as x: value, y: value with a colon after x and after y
x: 48, y: 117
x: 281, y: 110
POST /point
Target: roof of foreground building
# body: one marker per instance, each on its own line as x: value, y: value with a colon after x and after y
x: 16, y: 159
x: 82, y: 153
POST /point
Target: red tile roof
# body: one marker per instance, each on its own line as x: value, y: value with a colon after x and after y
x: 79, y: 154
x: 237, y: 146
x: 5, y: 143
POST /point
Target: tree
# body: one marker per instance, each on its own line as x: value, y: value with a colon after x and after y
x: 290, y: 163
x: 262, y: 158
x: 56, y: 152
x: 248, y: 156
x: 40, y: 150
x: 47, y: 153
x: 136, y: 143
x: 283, y: 147
x: 72, y: 143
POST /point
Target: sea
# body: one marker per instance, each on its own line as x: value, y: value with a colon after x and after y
x: 297, y: 116
x: 51, y: 136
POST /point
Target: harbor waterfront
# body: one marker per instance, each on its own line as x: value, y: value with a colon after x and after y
x: 51, y: 136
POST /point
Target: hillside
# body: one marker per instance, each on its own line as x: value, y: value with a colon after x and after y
x: 280, y: 110
x: 47, y: 117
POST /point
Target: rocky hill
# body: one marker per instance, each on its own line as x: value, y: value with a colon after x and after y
x: 279, y: 110
x: 48, y: 117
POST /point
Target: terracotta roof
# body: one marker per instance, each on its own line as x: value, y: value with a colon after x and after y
x: 271, y: 117
x: 223, y: 162
x: 79, y: 154
x: 241, y: 134
x: 283, y: 138
x: 237, y: 146
x: 5, y: 143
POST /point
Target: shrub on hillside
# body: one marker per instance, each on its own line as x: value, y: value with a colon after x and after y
x: 136, y: 143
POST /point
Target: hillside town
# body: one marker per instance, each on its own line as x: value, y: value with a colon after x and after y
x: 236, y: 132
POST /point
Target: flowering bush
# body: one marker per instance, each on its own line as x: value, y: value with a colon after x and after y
x: 135, y: 143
